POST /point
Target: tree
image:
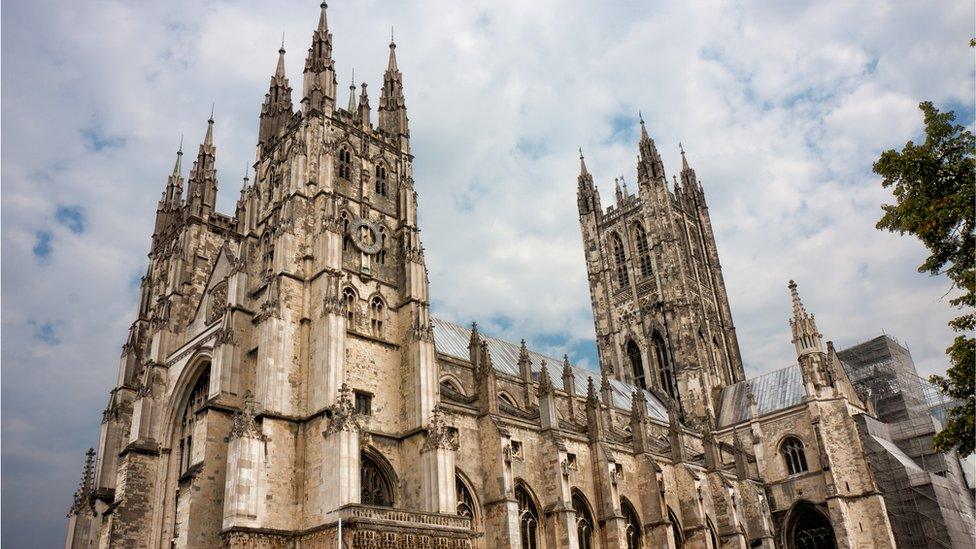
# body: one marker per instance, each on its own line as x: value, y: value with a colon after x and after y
x: 934, y: 186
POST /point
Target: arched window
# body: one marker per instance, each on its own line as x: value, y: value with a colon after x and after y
x: 381, y: 255
x: 668, y: 380
x: 345, y: 163
x: 528, y: 518
x: 381, y: 181
x: 346, y: 239
x: 465, y: 501
x: 619, y: 259
x: 643, y: 250
x: 793, y: 455
x: 451, y: 385
x: 632, y: 530
x: 584, y: 521
x: 636, y: 364
x: 711, y: 532
x: 507, y: 399
x: 349, y: 297
x: 376, y: 487
x: 808, y: 528
x: 679, y: 539
x: 376, y: 316
x: 198, y: 396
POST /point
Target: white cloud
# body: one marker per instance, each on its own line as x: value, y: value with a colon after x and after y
x: 782, y: 111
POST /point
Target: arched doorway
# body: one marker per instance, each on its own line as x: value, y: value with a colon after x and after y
x: 807, y: 527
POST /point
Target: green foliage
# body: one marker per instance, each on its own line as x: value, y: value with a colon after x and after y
x: 934, y: 184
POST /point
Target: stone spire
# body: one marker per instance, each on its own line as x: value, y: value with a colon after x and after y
x: 83, y: 493
x: 319, y: 86
x: 587, y: 195
x: 277, y: 108
x: 364, y: 109
x: 202, y: 186
x: 569, y: 386
x: 172, y: 197
x: 806, y: 338
x: 688, y: 178
x: 393, y: 108
x: 649, y: 165
x: 352, y: 94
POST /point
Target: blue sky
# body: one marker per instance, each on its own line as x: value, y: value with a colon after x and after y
x: 782, y: 107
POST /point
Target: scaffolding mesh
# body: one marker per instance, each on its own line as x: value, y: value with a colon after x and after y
x: 928, y: 500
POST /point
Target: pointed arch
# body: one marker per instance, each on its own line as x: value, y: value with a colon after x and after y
x: 451, y: 382
x: 377, y: 479
x: 383, y: 241
x: 344, y: 165
x: 349, y: 299
x: 632, y: 530
x: 676, y: 529
x: 636, y: 364
x: 467, y: 500
x: 528, y: 511
x: 668, y: 379
x: 712, y: 533
x: 643, y: 251
x: 381, y: 175
x: 377, y: 314
x: 794, y: 455
x: 619, y: 259
x: 585, y: 525
x: 807, y: 526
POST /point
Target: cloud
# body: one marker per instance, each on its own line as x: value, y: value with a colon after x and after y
x: 781, y: 109
x: 72, y: 217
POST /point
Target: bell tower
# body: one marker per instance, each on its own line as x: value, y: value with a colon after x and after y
x: 660, y: 307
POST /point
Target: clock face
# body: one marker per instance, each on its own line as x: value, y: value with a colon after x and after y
x: 365, y: 235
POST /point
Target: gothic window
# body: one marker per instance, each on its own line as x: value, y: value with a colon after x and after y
x: 349, y: 298
x: 643, y: 251
x: 381, y: 180
x: 344, y: 216
x: 794, y: 456
x: 198, y: 396
x: 465, y: 502
x: 507, y: 399
x: 584, y: 521
x: 808, y: 528
x: 668, y: 380
x: 381, y: 255
x: 376, y: 488
x: 376, y: 316
x: 636, y: 363
x: 528, y: 518
x: 632, y: 530
x: 711, y: 532
x: 619, y: 259
x: 345, y: 163
x: 679, y: 539
x: 451, y: 385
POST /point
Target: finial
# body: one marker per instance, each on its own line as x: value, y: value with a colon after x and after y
x: 247, y: 170
x: 180, y: 150
x: 681, y: 148
x: 392, y: 41
x: 212, y: 107
x: 282, y: 49
x: 640, y: 116
x: 581, y: 153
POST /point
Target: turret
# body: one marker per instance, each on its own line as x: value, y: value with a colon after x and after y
x: 393, y: 108
x: 201, y: 189
x: 806, y: 338
x: 650, y: 167
x: 172, y: 199
x: 277, y: 109
x: 364, y: 110
x: 319, y: 85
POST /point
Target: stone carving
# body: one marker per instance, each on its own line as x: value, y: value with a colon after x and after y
x: 344, y: 415
x: 218, y: 302
x: 245, y: 424
x: 439, y: 435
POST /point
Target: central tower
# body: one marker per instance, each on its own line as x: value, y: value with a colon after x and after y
x: 660, y: 306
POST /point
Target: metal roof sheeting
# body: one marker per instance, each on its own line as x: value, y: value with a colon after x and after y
x: 452, y: 340
x: 776, y: 390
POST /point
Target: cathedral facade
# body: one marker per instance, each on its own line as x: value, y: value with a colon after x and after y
x: 284, y: 384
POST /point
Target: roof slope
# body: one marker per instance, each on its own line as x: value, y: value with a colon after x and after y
x: 452, y: 340
x: 776, y: 390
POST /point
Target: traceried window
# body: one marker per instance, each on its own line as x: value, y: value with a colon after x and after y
x: 619, y: 259
x: 632, y: 530
x: 381, y: 182
x: 668, y: 380
x: 465, y: 502
x: 349, y: 299
x: 636, y: 364
x: 345, y: 163
x: 381, y: 255
x: 376, y: 488
x: 584, y: 521
x: 528, y: 518
x: 643, y: 250
x: 376, y: 314
x: 794, y: 456
x: 679, y: 539
x: 198, y: 396
x: 346, y: 238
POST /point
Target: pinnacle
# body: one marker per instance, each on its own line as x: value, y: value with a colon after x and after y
x: 798, y: 310
x: 280, y: 69
x: 208, y: 140
x: 323, y: 17
x: 583, y: 170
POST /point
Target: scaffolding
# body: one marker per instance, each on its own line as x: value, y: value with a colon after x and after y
x: 928, y: 500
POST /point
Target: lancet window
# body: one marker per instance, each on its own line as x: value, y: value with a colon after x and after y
x: 643, y: 250
x: 619, y: 259
x: 381, y: 181
x: 528, y: 518
x: 584, y: 521
x: 345, y: 163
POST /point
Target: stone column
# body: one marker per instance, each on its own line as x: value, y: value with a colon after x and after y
x: 245, y: 470
x: 327, y: 366
x: 419, y: 381
x: 437, y: 460
x: 341, y: 484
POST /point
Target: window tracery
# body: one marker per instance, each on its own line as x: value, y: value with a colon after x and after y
x: 376, y: 487
x: 381, y: 180
x: 349, y: 299
x: 794, y: 455
x: 636, y: 364
x: 619, y: 259
x: 643, y: 251
x: 376, y: 316
x: 345, y: 163
x: 528, y: 518
x: 632, y: 530
x: 584, y: 521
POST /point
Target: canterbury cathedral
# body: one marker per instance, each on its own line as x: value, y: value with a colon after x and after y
x: 284, y: 385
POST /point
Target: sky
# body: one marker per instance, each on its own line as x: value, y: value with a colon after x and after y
x: 781, y: 106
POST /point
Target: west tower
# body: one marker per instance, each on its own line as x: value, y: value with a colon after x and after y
x: 660, y: 306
